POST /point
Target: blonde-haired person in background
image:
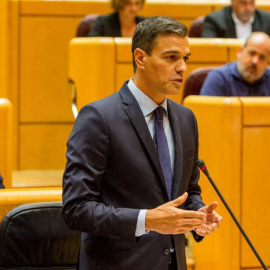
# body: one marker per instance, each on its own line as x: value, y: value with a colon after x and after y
x: 121, y: 23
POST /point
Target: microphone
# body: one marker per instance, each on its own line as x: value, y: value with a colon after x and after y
x: 200, y: 163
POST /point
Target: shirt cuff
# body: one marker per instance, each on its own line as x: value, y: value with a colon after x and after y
x: 140, y: 228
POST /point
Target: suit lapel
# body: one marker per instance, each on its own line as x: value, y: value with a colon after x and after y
x: 230, y: 31
x: 178, y: 184
x: 135, y: 115
x: 256, y: 25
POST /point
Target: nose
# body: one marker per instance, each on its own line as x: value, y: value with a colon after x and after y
x: 250, y: 7
x: 135, y: 7
x: 181, y: 66
x: 255, y: 59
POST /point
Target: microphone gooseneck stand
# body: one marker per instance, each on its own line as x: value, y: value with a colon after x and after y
x: 203, y: 168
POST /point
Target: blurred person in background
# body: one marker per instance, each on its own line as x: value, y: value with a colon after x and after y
x: 121, y: 23
x: 238, y: 20
x: 248, y: 76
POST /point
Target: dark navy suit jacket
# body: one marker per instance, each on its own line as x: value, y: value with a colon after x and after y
x: 113, y: 171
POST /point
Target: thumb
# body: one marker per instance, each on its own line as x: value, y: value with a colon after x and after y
x: 212, y: 206
x: 178, y: 201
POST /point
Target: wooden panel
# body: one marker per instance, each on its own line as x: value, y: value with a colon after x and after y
x: 123, y: 50
x: 203, y: 50
x: 43, y: 146
x: 3, y: 48
x: 45, y: 95
x: 13, y: 66
x: 177, y: 9
x: 123, y: 72
x: 6, y: 141
x: 73, y: 7
x: 10, y: 198
x: 255, y: 194
x: 92, y: 68
x: 256, y: 111
x: 37, y: 178
x: 219, y: 121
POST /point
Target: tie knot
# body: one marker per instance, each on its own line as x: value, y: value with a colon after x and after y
x: 159, y: 113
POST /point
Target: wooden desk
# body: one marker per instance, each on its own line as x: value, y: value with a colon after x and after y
x: 112, y: 56
x: 10, y: 198
x: 234, y: 143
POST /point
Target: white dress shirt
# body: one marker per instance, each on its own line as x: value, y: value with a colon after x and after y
x: 147, y: 105
x: 243, y: 30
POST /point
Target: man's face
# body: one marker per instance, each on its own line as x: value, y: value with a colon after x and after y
x: 131, y: 8
x: 253, y: 59
x: 164, y: 69
x: 243, y: 9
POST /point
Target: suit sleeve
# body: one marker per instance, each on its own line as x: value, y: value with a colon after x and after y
x: 87, y: 159
x: 210, y: 28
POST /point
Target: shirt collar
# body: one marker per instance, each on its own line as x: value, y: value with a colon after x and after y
x: 237, y: 21
x: 146, y: 104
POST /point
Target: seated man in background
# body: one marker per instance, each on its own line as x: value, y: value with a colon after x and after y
x: 236, y: 21
x: 248, y: 76
x: 121, y: 23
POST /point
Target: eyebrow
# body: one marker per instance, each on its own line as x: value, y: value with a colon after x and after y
x: 175, y: 52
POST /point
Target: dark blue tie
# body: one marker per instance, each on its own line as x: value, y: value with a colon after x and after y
x: 163, y: 149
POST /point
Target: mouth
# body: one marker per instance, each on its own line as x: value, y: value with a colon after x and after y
x: 252, y: 69
x: 178, y: 80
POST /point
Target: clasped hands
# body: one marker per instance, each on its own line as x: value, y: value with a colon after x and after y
x: 169, y: 219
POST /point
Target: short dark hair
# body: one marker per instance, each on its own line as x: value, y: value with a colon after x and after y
x: 146, y: 32
x: 118, y: 4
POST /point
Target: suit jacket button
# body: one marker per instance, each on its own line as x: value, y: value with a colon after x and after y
x: 166, y: 252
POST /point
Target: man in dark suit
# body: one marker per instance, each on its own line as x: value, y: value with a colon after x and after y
x: 131, y: 181
x: 236, y: 21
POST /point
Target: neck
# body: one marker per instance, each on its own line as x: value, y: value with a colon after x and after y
x: 126, y: 20
x: 148, y: 89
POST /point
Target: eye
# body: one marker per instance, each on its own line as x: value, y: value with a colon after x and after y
x: 186, y: 58
x: 171, y: 57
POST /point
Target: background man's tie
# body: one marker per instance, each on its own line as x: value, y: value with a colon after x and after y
x: 163, y: 149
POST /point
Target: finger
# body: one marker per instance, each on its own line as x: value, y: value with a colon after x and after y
x: 204, y: 230
x: 212, y: 206
x: 218, y: 218
x: 178, y: 201
x: 189, y: 214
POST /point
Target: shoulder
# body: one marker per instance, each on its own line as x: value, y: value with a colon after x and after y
x: 219, y: 14
x: 103, y: 105
x: 108, y: 18
x: 180, y: 110
x: 140, y: 19
x: 223, y: 70
x: 267, y: 73
x: 262, y: 13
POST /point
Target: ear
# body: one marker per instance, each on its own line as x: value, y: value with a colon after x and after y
x: 139, y: 56
x: 239, y: 53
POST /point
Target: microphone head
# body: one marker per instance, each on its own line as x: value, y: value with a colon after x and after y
x: 200, y: 163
